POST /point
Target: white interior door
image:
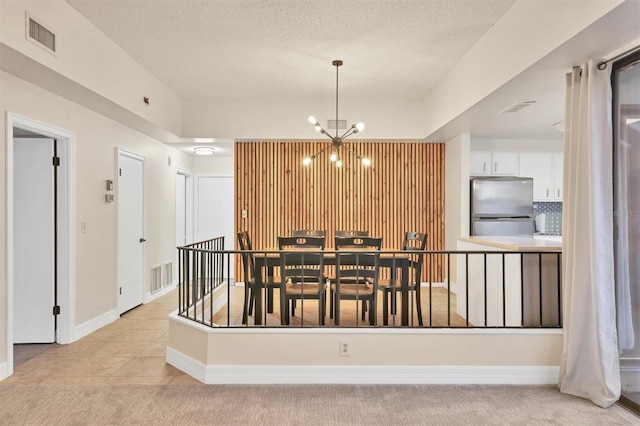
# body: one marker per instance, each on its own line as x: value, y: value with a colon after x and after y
x: 130, y: 193
x: 33, y: 239
x: 216, y: 212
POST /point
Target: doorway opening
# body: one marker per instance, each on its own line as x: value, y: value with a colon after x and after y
x: 40, y: 307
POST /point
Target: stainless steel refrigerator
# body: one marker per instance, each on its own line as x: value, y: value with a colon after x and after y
x: 502, y: 206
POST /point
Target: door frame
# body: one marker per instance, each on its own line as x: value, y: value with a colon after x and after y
x: 119, y: 151
x: 66, y: 229
x: 189, y: 215
x: 189, y: 208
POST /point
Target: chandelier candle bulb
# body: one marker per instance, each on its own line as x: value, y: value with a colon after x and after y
x: 333, y: 157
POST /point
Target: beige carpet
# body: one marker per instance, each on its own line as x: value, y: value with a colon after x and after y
x: 300, y: 405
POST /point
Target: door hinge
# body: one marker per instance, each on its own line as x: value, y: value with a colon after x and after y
x: 56, y: 310
x: 56, y: 161
x: 120, y: 290
x: 119, y: 172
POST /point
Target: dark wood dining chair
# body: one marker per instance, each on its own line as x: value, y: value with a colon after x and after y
x: 248, y: 266
x: 301, y: 275
x: 415, y: 243
x: 351, y: 233
x: 331, y: 277
x: 308, y: 233
x: 357, y: 273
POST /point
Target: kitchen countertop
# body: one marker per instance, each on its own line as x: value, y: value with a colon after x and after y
x: 515, y: 243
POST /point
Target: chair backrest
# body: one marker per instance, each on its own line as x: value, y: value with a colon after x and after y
x: 301, y: 259
x: 360, y: 257
x: 309, y: 233
x: 351, y: 233
x: 416, y: 242
x: 244, y: 243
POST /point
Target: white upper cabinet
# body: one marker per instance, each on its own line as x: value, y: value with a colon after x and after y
x: 546, y: 170
x: 558, y: 169
x: 504, y: 163
x: 480, y: 162
x: 494, y: 163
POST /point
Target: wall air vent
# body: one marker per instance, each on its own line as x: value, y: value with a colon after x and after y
x: 167, y: 274
x: 155, y: 282
x: 40, y: 35
x: 517, y: 106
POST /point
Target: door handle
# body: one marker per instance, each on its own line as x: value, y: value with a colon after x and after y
x: 142, y: 240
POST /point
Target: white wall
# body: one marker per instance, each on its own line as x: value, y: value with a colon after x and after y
x: 213, y: 166
x: 287, y: 118
x: 86, y: 56
x: 527, y: 31
x: 456, y: 203
x: 518, y: 145
x: 97, y: 138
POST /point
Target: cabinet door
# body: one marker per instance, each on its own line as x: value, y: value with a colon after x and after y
x: 558, y: 168
x: 504, y: 163
x: 480, y: 163
x: 539, y: 167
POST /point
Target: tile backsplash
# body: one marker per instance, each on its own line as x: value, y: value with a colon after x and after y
x: 553, y: 213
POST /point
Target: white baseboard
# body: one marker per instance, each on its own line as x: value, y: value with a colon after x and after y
x: 94, y: 324
x: 150, y: 297
x: 362, y: 374
x: 185, y: 363
x: 4, y: 370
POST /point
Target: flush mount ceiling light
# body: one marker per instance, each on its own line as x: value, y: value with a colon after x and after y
x: 203, y: 150
x: 337, y: 141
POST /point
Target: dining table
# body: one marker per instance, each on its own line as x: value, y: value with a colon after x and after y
x: 265, y: 262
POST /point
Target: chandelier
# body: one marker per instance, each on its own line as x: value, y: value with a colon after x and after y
x: 337, y: 141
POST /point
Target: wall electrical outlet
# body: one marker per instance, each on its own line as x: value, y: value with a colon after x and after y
x: 345, y: 347
x: 245, y: 214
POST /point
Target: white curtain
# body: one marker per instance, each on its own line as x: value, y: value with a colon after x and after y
x: 589, y: 366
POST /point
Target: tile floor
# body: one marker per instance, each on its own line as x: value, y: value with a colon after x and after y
x: 130, y: 350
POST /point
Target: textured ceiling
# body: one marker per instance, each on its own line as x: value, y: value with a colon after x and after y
x: 284, y: 48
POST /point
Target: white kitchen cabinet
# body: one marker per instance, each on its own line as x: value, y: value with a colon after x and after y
x: 504, y: 163
x: 480, y: 163
x: 538, y: 165
x: 546, y: 170
x: 485, y: 163
x: 558, y: 169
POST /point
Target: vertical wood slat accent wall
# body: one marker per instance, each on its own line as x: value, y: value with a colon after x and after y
x: 402, y: 190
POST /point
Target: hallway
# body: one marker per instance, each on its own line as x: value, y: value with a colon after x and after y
x: 128, y: 351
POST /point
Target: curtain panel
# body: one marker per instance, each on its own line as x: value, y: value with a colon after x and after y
x: 589, y: 366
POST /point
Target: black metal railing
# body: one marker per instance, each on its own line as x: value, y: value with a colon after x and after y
x: 459, y: 289
x: 201, y: 270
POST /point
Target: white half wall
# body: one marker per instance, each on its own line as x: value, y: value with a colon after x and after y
x: 402, y: 356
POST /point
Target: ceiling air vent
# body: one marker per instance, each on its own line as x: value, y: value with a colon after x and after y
x: 331, y: 124
x: 517, y: 106
x: 40, y: 35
